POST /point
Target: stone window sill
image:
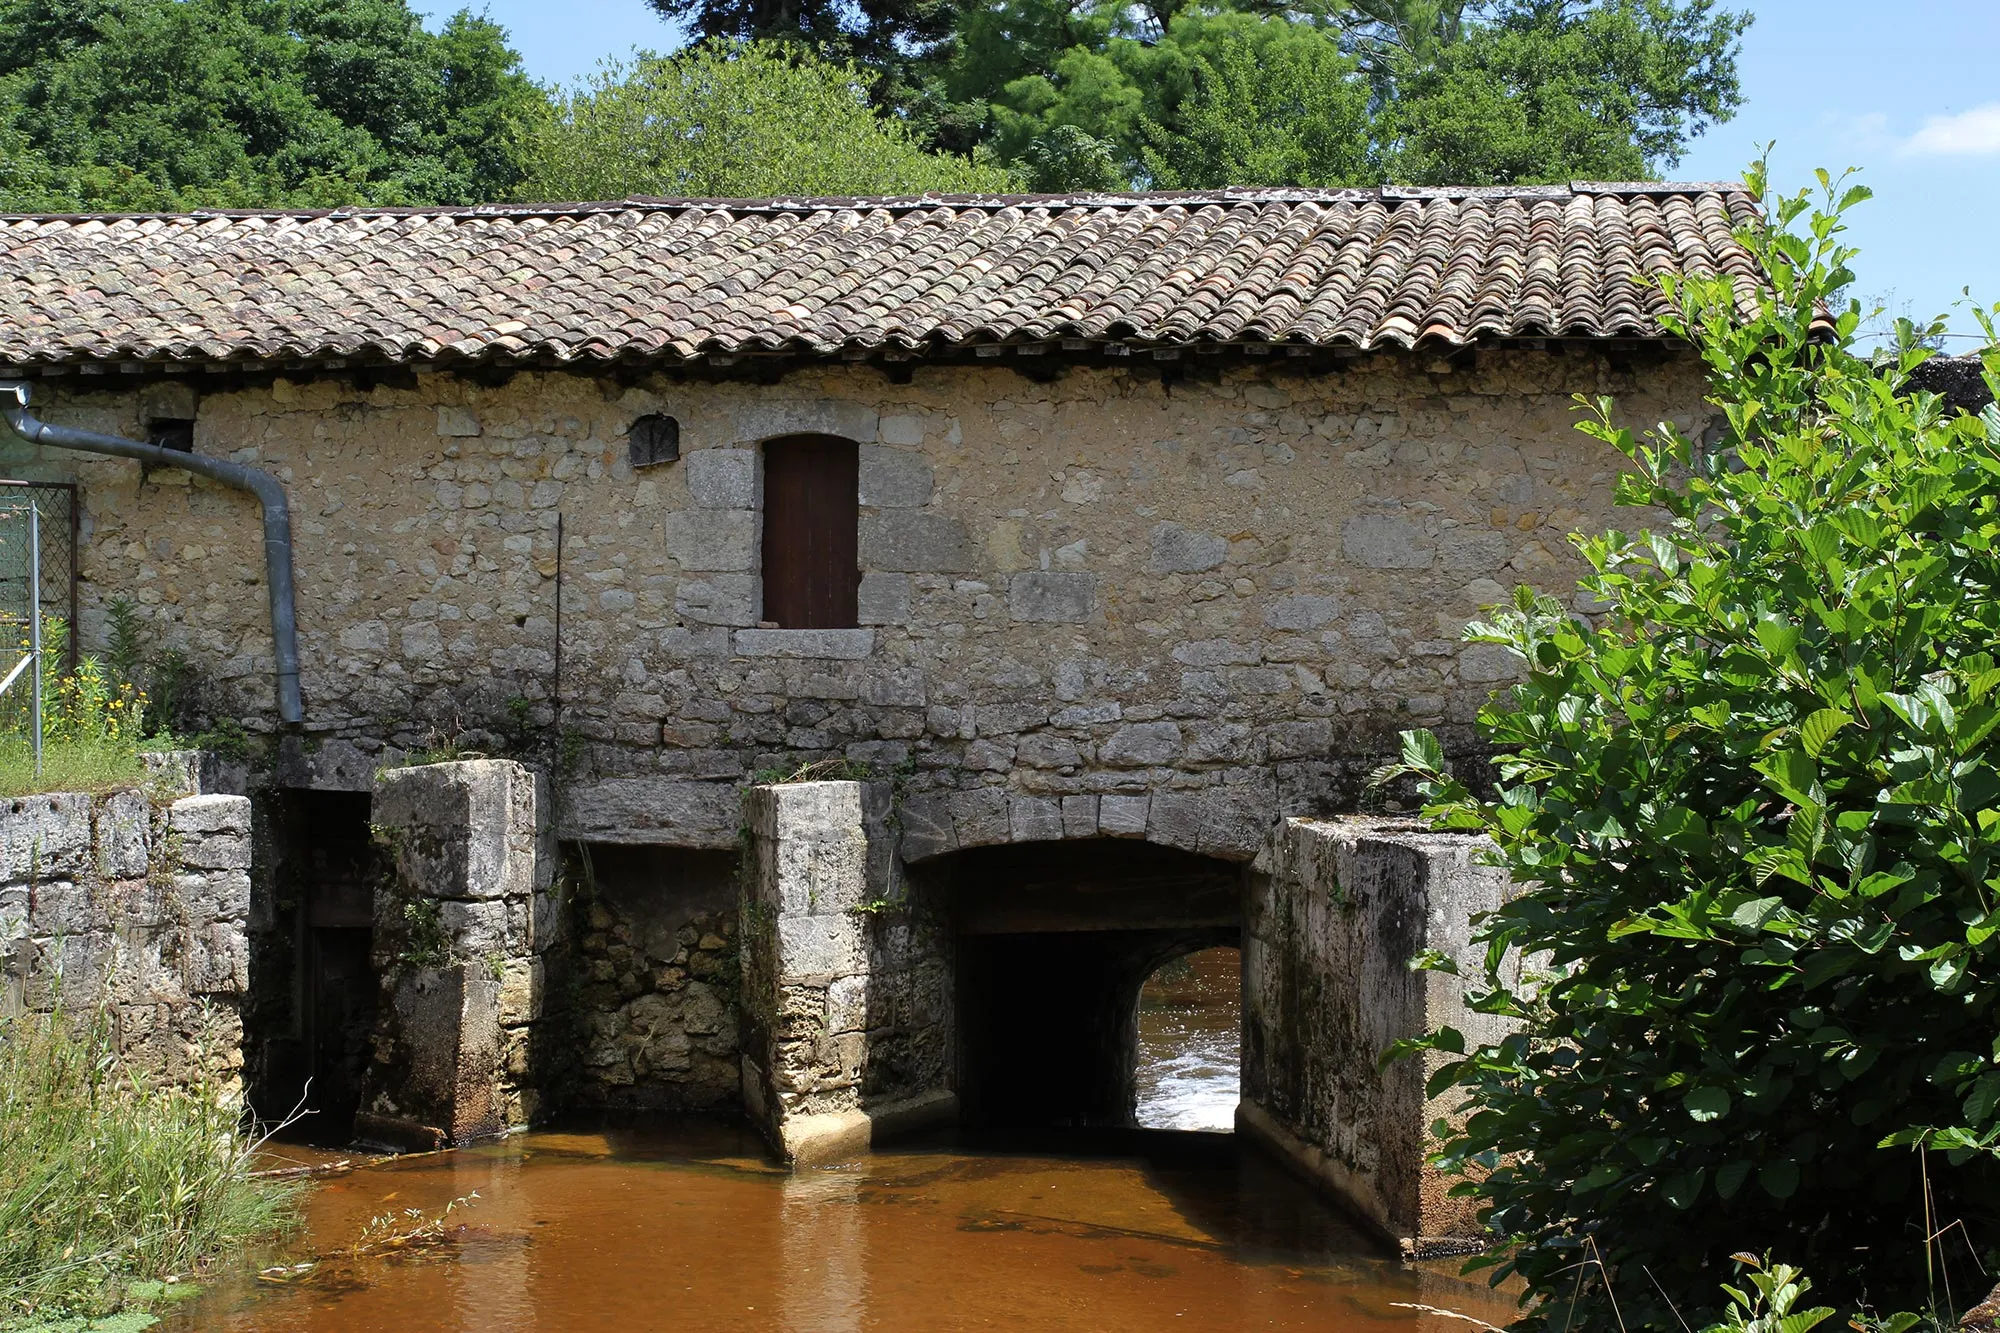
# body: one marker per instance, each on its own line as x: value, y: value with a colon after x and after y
x: 847, y: 644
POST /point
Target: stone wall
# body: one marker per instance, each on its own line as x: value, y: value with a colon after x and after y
x: 659, y: 978
x: 1194, y: 595
x: 138, y: 907
x: 467, y: 923
x: 1331, y: 930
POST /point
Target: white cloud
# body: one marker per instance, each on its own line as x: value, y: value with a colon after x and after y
x: 1973, y: 133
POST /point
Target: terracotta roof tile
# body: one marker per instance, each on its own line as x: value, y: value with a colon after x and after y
x: 688, y: 279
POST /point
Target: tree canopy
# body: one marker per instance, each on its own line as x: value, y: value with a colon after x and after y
x: 165, y: 104
x: 1356, y: 92
x: 728, y: 119
x: 172, y: 104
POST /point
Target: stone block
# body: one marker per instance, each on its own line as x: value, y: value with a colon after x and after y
x: 1141, y: 745
x: 1123, y: 816
x: 218, y: 959
x: 713, y: 541
x: 1235, y: 821
x: 475, y: 929
x: 980, y: 818
x: 1489, y: 663
x: 850, y: 645
x: 1175, y: 820
x: 124, y: 827
x: 927, y: 829
x: 721, y: 599
x: 915, y: 542
x: 905, y: 429
x: 654, y: 810
x: 1045, y: 751
x: 884, y: 599
x: 895, y: 478
x: 1216, y: 742
x: 707, y: 641
x: 456, y: 422
x: 1379, y: 541
x: 1079, y: 816
x: 214, y: 832
x: 1469, y: 551
x: 722, y: 478
x: 765, y: 418
x: 1301, y: 612
x: 45, y: 836
x: 1182, y: 550
x: 216, y: 895
x: 1051, y: 596
x: 822, y: 946
x: 1034, y: 819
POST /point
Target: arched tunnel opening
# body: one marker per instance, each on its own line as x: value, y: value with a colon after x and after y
x: 1054, y: 942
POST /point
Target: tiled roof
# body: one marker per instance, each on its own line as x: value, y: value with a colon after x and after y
x: 653, y: 280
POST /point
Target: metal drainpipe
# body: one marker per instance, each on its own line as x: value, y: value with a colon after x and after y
x: 267, y: 488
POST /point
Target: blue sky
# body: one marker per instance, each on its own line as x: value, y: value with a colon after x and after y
x: 1906, y: 91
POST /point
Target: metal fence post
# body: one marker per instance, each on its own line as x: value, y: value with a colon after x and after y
x: 35, y: 620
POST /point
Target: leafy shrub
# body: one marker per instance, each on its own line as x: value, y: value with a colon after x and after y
x: 1753, y: 810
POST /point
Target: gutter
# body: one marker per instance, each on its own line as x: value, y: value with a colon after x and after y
x: 270, y: 493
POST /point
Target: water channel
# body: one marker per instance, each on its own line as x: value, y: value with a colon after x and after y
x: 686, y: 1224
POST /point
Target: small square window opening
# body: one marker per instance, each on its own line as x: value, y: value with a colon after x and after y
x: 655, y: 439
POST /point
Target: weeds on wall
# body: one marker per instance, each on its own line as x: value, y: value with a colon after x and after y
x: 1755, y: 811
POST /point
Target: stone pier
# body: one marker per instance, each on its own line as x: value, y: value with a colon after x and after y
x: 465, y: 922
x: 846, y: 981
x: 1328, y: 988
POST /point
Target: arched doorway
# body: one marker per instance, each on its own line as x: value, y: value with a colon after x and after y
x: 1187, y: 1070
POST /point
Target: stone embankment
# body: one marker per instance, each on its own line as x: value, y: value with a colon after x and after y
x: 137, y: 904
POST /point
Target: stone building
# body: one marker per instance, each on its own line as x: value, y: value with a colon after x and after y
x: 1104, y: 532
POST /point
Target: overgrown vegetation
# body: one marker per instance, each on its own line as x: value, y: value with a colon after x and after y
x: 1753, y: 809
x: 106, y: 1181
x: 92, y: 725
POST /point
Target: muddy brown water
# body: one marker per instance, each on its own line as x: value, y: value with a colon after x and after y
x: 688, y: 1226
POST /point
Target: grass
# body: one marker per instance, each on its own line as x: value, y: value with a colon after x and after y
x: 68, y: 765
x: 109, y: 1186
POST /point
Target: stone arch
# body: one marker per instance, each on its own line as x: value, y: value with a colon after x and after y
x: 1052, y: 940
x: 1229, y: 823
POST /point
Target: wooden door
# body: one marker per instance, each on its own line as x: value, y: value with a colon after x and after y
x: 812, y: 497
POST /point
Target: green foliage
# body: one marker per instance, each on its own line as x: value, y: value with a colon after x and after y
x: 724, y: 120
x: 92, y: 724
x: 1355, y: 93
x: 818, y: 770
x: 1753, y: 809
x: 425, y: 941
x: 1771, y: 1305
x: 107, y: 1182
x: 174, y: 104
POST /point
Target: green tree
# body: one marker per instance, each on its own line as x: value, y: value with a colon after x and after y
x: 1755, y: 813
x: 159, y: 104
x: 725, y: 119
x: 1347, y: 91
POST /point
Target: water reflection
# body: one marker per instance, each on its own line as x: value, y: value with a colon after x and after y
x: 687, y: 1225
x: 1190, y: 1026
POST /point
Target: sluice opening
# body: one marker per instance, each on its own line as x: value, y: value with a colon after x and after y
x: 1054, y: 943
x: 1188, y: 1072
x: 316, y: 987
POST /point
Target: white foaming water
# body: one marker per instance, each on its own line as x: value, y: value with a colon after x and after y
x: 1189, y: 1066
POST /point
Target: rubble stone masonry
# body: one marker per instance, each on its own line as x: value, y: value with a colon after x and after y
x: 1175, y: 593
